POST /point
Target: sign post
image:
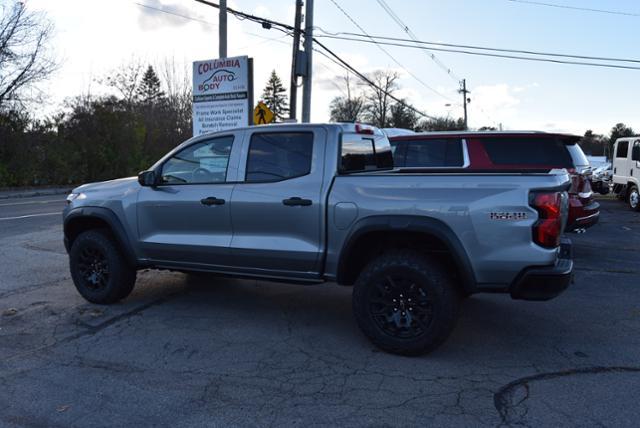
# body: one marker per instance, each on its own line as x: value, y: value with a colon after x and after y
x: 222, y: 94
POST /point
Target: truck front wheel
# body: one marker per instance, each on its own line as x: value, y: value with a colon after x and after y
x: 99, y: 271
x: 405, y: 302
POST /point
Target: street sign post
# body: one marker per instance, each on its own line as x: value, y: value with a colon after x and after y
x: 222, y: 94
x: 262, y: 114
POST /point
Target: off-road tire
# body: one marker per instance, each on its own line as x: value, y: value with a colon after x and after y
x: 407, y: 267
x: 634, y: 198
x: 120, y: 277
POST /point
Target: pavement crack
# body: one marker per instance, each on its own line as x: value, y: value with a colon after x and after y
x: 503, y: 400
x: 89, y: 330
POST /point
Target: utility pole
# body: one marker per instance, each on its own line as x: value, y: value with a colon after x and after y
x: 308, y: 50
x: 222, y: 35
x: 464, y: 93
x: 293, y: 89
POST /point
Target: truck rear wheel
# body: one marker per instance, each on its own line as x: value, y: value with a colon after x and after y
x: 99, y: 271
x: 405, y: 303
x: 634, y: 198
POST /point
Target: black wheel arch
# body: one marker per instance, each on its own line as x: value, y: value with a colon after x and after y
x: 428, y: 231
x: 81, y: 219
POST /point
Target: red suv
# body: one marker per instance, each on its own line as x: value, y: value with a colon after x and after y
x: 490, y: 151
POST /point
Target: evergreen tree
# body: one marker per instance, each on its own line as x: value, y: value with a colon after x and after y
x: 149, y: 91
x: 275, y: 97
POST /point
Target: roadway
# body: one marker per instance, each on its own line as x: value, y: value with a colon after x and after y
x: 221, y: 352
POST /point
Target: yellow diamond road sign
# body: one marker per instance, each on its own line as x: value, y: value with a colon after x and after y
x: 262, y: 115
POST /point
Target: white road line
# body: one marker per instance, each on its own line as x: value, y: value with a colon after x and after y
x: 32, y: 202
x: 30, y: 215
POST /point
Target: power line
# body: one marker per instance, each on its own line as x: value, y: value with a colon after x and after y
x: 520, y: 51
x: 407, y: 30
x: 431, y: 55
x: 487, y: 54
x: 583, y: 9
x: 348, y: 67
x: 191, y: 18
x: 268, y: 23
x: 419, y: 80
x: 338, y: 87
x: 169, y: 12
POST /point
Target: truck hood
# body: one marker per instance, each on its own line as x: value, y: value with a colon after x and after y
x: 118, y: 186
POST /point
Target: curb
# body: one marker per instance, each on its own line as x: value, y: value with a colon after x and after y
x: 31, y: 193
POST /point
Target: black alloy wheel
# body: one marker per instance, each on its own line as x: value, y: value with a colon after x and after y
x: 400, y: 307
x: 406, y: 302
x: 99, y: 269
x: 93, y: 267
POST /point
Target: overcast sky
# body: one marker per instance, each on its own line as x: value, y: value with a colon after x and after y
x: 94, y: 37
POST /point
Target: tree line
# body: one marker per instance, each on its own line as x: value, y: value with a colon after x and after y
x: 379, y: 105
x: 95, y: 137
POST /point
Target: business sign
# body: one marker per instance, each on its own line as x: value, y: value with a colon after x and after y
x: 222, y: 94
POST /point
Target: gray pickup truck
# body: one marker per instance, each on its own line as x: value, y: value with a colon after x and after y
x: 316, y: 203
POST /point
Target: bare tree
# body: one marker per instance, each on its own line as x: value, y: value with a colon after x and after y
x: 377, y: 100
x: 177, y: 86
x: 125, y: 80
x: 347, y: 108
x: 25, y: 54
x: 176, y: 78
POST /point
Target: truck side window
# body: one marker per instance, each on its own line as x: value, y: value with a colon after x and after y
x: 527, y: 151
x: 433, y: 153
x: 279, y: 156
x: 358, y: 155
x: 623, y: 149
x: 635, y: 151
x: 201, y: 163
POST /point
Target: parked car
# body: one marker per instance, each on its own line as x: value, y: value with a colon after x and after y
x: 315, y: 203
x: 626, y: 170
x: 505, y: 150
x: 601, y: 178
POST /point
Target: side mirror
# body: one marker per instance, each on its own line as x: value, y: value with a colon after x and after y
x: 147, y: 178
x: 635, y: 153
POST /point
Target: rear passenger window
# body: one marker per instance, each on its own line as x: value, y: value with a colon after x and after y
x: 623, y: 149
x: 384, y: 157
x: 528, y: 151
x: 358, y: 155
x: 440, y: 153
x: 279, y: 156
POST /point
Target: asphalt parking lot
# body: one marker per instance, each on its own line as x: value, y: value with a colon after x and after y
x: 220, y: 352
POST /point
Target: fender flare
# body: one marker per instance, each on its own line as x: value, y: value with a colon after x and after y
x: 112, y: 220
x: 409, y: 223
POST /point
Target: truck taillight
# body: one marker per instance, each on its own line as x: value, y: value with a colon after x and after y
x: 548, y: 228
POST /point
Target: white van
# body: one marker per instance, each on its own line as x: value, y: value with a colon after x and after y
x: 626, y: 170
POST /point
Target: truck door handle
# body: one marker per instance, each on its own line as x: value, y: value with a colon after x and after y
x: 296, y: 201
x: 211, y: 200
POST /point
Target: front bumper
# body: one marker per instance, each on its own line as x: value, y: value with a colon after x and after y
x: 545, y: 283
